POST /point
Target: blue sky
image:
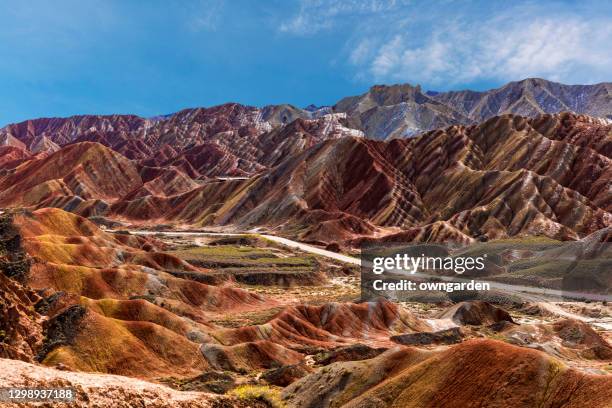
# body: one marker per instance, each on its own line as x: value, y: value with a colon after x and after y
x: 59, y: 58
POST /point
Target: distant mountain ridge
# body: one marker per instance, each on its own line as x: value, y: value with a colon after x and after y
x: 386, y: 112
x: 383, y: 112
x: 531, y: 97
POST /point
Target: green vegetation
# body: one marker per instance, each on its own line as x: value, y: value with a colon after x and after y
x: 250, y: 261
x: 497, y: 336
x: 547, y: 268
x: 266, y: 394
x: 247, y: 255
x: 238, y: 256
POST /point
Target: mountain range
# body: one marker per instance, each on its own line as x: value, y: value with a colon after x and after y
x: 91, y: 286
x: 320, y: 181
x: 383, y: 112
x: 402, y: 110
x: 322, y: 175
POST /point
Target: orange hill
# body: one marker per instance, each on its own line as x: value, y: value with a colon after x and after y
x: 475, y: 373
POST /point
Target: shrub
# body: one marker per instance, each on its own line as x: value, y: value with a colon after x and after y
x: 269, y: 395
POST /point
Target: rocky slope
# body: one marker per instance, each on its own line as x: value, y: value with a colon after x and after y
x: 111, y: 302
x: 501, y: 178
x: 20, y: 324
x: 83, y: 303
x: 509, y: 176
x: 475, y: 373
x: 228, y: 127
x: 386, y: 112
x: 530, y: 97
x: 103, y: 390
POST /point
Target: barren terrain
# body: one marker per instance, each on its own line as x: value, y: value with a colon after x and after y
x: 212, y: 257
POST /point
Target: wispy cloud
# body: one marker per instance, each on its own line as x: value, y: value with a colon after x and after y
x: 461, y: 42
x: 205, y: 15
x: 558, y: 48
x: 319, y: 15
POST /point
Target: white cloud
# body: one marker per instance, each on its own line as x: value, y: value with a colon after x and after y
x: 320, y: 15
x: 388, y: 57
x: 303, y: 24
x: 459, y: 42
x: 506, y: 48
x: 361, y: 52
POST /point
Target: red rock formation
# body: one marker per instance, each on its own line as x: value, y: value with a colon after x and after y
x: 20, y: 325
x: 329, y: 325
x: 508, y: 176
x: 11, y: 157
x: 112, y: 301
x: 482, y: 372
x: 84, y: 171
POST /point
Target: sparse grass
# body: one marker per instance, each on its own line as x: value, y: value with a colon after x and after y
x: 543, y: 268
x: 266, y: 394
x: 257, y: 317
x: 267, y: 269
x: 497, y: 336
x: 233, y: 251
x: 232, y: 256
x: 308, y: 294
x: 240, y: 254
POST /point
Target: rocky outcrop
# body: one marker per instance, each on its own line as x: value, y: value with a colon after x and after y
x: 579, y: 335
x: 330, y: 326
x: 475, y: 313
x: 21, y: 331
x: 354, y: 352
x: 62, y: 330
x: 106, y: 391
x: 448, y: 336
x: 397, y: 111
x: 20, y: 324
x: 386, y: 112
x: 458, y: 376
x: 285, y: 375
